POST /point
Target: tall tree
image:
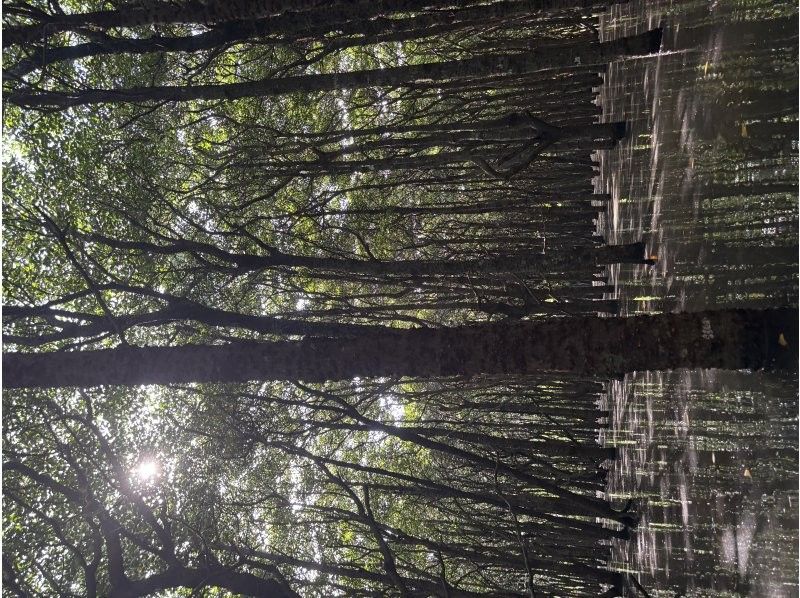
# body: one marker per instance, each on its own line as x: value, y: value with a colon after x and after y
x: 323, y: 339
x: 347, y: 26
x: 733, y: 339
x: 543, y: 59
x: 287, y: 14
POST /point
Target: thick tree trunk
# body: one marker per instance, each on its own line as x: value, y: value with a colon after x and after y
x: 732, y: 339
x: 357, y: 26
x: 160, y: 13
x: 286, y: 15
x: 546, y: 58
x: 239, y: 582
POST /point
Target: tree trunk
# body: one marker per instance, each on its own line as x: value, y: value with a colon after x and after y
x: 546, y: 58
x: 558, y: 260
x: 160, y: 13
x: 354, y: 28
x: 732, y: 339
x: 287, y: 15
x: 239, y: 582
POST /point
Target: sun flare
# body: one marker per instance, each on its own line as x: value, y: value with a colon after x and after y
x: 146, y: 470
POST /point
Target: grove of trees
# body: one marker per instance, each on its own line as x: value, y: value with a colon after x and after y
x: 305, y: 298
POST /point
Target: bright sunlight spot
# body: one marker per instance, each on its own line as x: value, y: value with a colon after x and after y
x: 146, y: 470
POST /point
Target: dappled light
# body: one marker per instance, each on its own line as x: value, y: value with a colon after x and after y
x: 400, y: 298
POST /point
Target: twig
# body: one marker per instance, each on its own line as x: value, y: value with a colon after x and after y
x: 62, y: 239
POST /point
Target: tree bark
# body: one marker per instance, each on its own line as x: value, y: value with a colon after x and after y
x: 731, y: 339
x: 546, y: 58
x: 355, y: 26
x: 238, y: 582
x: 161, y: 13
x: 287, y: 15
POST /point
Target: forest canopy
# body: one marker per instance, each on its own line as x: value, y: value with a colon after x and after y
x: 390, y: 199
